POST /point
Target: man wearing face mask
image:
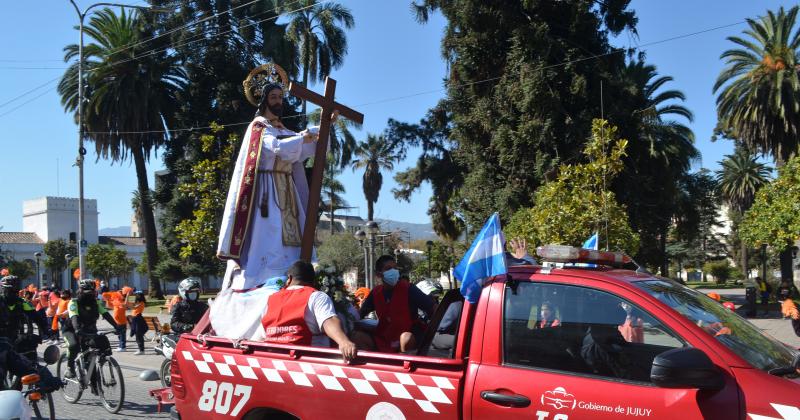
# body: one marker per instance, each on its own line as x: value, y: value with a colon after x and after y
x: 188, y: 311
x: 396, y: 303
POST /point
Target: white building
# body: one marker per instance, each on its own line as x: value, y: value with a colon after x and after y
x: 50, y: 218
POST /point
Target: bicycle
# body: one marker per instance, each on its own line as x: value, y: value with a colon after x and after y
x: 38, y: 398
x: 96, y: 370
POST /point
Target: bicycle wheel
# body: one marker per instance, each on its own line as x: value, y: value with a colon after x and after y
x: 166, y: 365
x: 112, y: 386
x: 72, y: 389
x: 46, y: 403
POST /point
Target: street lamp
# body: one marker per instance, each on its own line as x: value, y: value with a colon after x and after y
x: 372, y: 232
x: 362, y: 236
x: 81, y: 149
x: 38, y: 277
x: 430, y: 245
x: 68, y: 258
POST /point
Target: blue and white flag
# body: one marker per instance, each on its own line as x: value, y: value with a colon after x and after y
x: 591, y: 243
x: 484, y: 259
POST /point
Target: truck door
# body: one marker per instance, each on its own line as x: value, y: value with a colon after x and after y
x: 568, y: 351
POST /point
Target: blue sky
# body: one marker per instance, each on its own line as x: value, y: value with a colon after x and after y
x: 391, y: 59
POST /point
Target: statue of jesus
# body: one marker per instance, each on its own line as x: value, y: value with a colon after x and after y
x: 266, y: 205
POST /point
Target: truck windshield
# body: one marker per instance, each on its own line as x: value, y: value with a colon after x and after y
x: 759, y: 349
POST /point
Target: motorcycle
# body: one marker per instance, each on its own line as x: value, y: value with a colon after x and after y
x: 166, y: 348
x: 33, y: 400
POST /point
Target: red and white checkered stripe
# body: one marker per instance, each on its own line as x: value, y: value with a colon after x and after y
x: 424, y: 390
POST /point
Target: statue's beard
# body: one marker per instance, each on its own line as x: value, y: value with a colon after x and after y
x: 276, y: 110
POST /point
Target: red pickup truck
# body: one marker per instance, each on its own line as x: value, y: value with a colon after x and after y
x: 626, y: 344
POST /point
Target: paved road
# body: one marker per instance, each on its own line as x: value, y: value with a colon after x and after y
x: 138, y: 403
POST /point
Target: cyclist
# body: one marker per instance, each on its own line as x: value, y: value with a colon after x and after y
x: 17, y: 325
x: 189, y: 310
x: 84, y: 311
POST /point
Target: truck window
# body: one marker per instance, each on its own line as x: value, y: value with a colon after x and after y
x: 580, y: 330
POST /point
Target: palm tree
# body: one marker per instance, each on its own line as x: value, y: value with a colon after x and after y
x: 740, y: 177
x: 333, y: 191
x: 321, y: 44
x: 758, y: 89
x: 758, y: 92
x: 373, y: 155
x: 129, y: 98
x: 664, y: 146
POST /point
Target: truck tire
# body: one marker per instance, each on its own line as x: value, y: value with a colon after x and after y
x: 268, y: 414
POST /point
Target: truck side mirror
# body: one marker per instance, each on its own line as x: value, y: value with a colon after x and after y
x: 685, y: 367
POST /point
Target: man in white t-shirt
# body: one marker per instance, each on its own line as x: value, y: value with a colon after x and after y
x: 302, y: 315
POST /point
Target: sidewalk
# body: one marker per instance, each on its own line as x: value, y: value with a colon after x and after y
x: 772, y: 324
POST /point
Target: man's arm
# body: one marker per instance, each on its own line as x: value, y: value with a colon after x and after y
x: 176, y: 322
x: 333, y: 329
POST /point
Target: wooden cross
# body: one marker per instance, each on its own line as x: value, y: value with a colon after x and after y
x: 327, y: 105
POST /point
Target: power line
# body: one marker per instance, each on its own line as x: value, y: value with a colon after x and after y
x: 22, y: 95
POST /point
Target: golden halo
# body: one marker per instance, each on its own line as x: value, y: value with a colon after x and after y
x: 260, y: 77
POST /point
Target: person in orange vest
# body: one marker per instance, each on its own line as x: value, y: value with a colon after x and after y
x: 173, y: 302
x: 118, y: 304
x: 397, y: 304
x: 299, y: 314
x: 62, y: 312
x: 138, y: 324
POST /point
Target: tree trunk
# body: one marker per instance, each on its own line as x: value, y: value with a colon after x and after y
x: 787, y: 274
x: 330, y: 197
x: 663, y: 246
x: 150, y: 235
x: 305, y: 78
x: 745, y: 263
x: 369, y: 210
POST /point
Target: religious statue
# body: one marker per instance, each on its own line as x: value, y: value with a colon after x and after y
x: 265, y: 210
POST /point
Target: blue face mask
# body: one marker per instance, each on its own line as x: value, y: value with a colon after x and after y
x: 391, y: 276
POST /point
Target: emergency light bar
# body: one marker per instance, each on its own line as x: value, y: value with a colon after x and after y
x: 571, y: 254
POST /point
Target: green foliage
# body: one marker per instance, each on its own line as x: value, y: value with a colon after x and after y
x: 341, y: 251
x: 106, y: 262
x: 54, y: 252
x: 774, y: 218
x: 569, y: 209
x: 720, y: 269
x: 757, y: 90
x: 209, y: 177
x: 443, y: 255
x: 22, y: 269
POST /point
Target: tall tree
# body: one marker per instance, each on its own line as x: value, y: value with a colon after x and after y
x: 373, y: 155
x: 758, y: 91
x: 740, y: 177
x: 129, y: 98
x: 332, y: 192
x: 520, y: 91
x: 321, y: 43
x: 661, y: 151
x: 436, y: 164
x: 55, y: 252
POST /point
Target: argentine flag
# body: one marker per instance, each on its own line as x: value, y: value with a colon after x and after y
x: 484, y: 259
x: 590, y: 243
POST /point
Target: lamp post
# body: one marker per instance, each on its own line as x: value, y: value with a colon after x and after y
x: 38, y: 277
x: 362, y: 236
x: 372, y: 232
x: 81, y: 149
x: 68, y: 258
x: 430, y: 245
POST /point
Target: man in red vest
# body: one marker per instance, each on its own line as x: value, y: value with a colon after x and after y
x: 299, y: 314
x: 396, y: 302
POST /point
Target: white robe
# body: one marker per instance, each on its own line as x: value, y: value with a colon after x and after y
x: 263, y: 255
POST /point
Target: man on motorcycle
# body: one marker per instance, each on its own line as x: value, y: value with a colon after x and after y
x: 84, y: 311
x: 11, y: 361
x: 188, y: 312
x: 18, y: 315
